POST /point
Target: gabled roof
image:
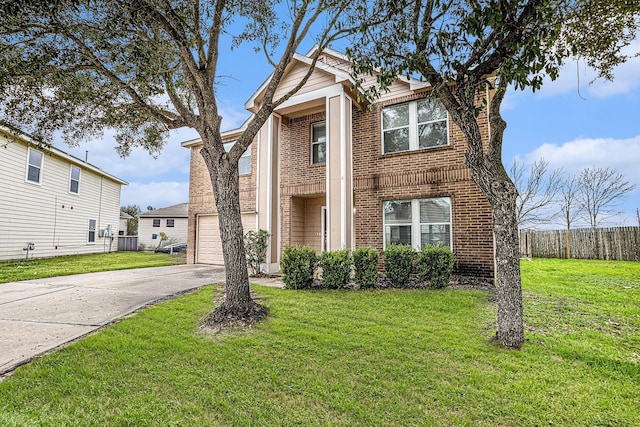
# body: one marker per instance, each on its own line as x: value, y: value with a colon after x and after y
x: 340, y: 75
x: 175, y: 211
x: 124, y: 215
x: 27, y: 139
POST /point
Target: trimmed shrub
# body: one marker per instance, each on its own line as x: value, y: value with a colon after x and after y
x: 336, y: 268
x: 435, y: 264
x: 255, y: 244
x: 298, y: 265
x: 398, y: 262
x: 365, y: 261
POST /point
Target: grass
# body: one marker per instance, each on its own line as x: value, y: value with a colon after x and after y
x: 12, y: 271
x: 393, y: 357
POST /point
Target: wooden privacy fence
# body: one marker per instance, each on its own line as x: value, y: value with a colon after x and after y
x: 127, y: 243
x: 618, y: 243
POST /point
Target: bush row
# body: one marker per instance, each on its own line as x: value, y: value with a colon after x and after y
x: 433, y: 264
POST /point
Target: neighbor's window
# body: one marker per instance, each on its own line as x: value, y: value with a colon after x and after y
x: 92, y: 231
x: 414, y: 125
x: 244, y: 164
x: 34, y: 166
x: 156, y: 222
x: 417, y: 222
x: 170, y: 222
x: 318, y: 143
x: 74, y: 183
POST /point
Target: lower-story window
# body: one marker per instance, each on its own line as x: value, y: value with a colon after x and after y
x: 417, y: 222
x: 92, y: 231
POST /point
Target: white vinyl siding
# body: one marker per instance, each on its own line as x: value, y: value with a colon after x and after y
x: 74, y: 180
x: 34, y: 166
x: 418, y: 222
x: 414, y: 125
x: 244, y: 163
x: 175, y: 234
x: 47, y: 215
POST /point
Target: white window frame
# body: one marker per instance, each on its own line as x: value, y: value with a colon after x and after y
x: 153, y: 223
x: 40, y: 167
x: 247, y: 153
x: 414, y: 140
x: 71, y: 180
x: 93, y: 230
x: 313, y: 125
x: 173, y: 223
x: 416, y: 229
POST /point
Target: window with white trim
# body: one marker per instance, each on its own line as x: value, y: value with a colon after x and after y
x: 74, y: 179
x: 34, y: 166
x: 318, y: 143
x: 156, y: 222
x: 171, y: 223
x: 418, y: 222
x: 244, y: 163
x: 92, y: 231
x: 414, y: 125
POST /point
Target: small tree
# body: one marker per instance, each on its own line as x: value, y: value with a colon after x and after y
x: 132, y: 224
x: 537, y: 190
x: 470, y: 53
x: 255, y: 244
x: 569, y: 206
x: 601, y: 189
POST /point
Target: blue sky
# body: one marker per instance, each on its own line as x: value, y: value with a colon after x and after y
x: 570, y: 123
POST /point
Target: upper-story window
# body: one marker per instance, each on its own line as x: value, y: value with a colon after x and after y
x: 34, y: 166
x: 244, y: 164
x: 170, y: 223
x: 156, y: 222
x: 318, y: 143
x: 74, y: 181
x: 414, y: 125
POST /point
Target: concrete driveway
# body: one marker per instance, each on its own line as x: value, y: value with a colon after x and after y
x: 37, y: 316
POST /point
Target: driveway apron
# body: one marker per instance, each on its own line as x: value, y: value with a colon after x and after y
x: 37, y: 316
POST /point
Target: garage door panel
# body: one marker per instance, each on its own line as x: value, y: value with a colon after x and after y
x: 209, y: 244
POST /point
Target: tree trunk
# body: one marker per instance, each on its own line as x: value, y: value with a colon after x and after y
x: 510, y: 327
x: 238, y: 303
x: 488, y: 172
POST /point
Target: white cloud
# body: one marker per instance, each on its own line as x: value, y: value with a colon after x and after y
x: 573, y: 156
x: 156, y: 194
x: 620, y: 154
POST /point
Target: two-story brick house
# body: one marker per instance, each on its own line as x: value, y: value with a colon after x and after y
x: 330, y: 171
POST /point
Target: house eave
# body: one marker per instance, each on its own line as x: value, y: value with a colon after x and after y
x: 59, y: 153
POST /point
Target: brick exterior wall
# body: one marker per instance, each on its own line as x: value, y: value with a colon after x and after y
x: 431, y: 172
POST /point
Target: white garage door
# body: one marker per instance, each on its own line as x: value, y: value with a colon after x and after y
x: 209, y: 245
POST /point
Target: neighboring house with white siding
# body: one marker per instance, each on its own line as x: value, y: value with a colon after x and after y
x: 172, y: 220
x: 57, y: 202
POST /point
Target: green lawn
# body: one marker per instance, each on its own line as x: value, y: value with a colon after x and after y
x: 11, y: 271
x: 393, y: 357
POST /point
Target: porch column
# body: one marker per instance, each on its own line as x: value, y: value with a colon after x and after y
x: 339, y: 173
x: 268, y: 188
